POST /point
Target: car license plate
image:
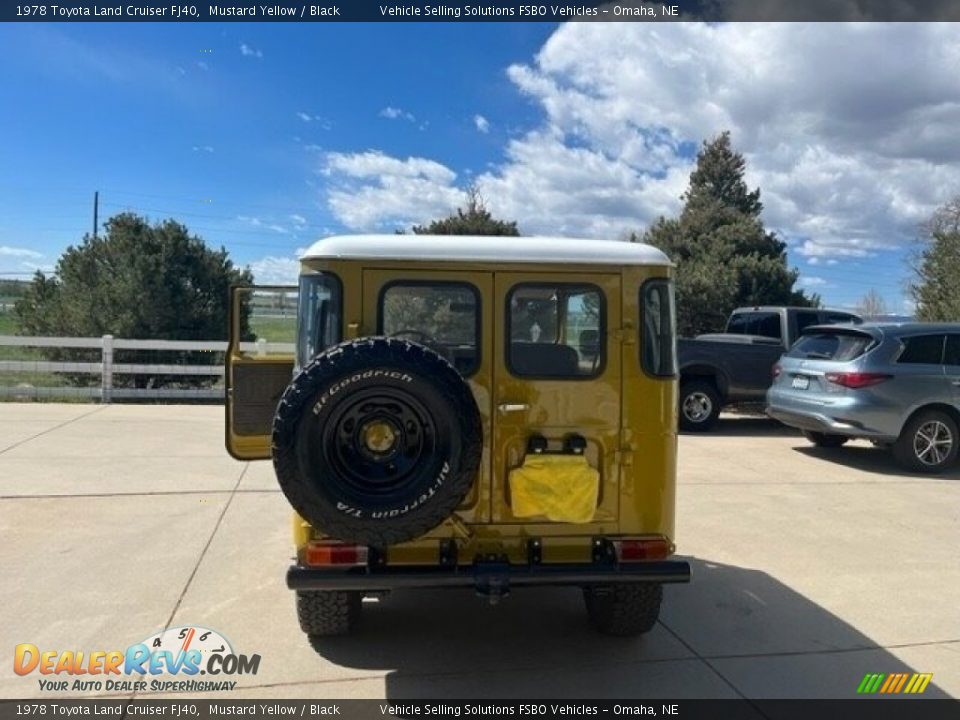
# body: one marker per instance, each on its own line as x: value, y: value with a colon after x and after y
x: 800, y: 382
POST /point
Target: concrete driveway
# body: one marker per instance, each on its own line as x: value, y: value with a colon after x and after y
x: 811, y: 569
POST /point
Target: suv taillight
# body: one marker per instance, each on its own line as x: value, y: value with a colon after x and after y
x: 776, y: 371
x: 328, y: 553
x: 856, y: 380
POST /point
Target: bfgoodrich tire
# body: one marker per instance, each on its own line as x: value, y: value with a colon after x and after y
x: 623, y: 609
x: 928, y: 442
x: 699, y: 405
x: 327, y: 613
x: 377, y: 441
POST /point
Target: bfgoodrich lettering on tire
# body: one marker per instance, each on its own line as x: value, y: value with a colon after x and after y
x: 377, y: 441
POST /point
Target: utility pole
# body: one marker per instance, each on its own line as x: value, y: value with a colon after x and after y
x: 96, y: 207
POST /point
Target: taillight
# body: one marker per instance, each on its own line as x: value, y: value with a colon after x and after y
x: 776, y: 371
x: 856, y: 380
x: 325, y: 553
x: 631, y: 550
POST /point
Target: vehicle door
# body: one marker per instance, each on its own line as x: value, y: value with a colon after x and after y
x: 750, y: 365
x: 258, y: 364
x: 557, y: 375
x: 446, y: 312
x: 921, y: 377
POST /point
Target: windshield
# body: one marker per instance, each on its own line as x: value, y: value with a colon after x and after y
x: 319, y: 316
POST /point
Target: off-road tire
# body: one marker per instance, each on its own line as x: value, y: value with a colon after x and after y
x: 324, y: 613
x: 906, y: 451
x: 699, y: 395
x: 825, y: 440
x: 330, y: 477
x: 623, y: 609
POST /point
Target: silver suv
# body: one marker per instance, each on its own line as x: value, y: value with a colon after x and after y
x: 895, y: 384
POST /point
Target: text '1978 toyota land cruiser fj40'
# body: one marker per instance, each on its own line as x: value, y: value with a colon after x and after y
x: 482, y: 412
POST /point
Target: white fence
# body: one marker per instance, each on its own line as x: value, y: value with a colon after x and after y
x: 106, y: 368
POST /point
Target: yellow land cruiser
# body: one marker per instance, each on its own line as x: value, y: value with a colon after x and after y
x: 482, y: 412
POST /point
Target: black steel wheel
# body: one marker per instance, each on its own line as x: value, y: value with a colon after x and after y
x: 377, y: 441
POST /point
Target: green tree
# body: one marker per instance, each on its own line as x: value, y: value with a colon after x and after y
x: 136, y: 281
x: 474, y: 219
x: 936, y: 284
x: 725, y: 257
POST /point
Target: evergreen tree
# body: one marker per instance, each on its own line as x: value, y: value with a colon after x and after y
x: 936, y: 285
x: 475, y: 219
x: 725, y: 257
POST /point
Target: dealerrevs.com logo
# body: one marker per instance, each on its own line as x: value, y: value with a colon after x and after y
x: 169, y: 661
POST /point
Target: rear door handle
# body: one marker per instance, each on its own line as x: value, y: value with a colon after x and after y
x: 512, y: 407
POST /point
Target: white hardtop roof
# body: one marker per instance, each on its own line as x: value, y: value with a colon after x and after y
x: 492, y: 249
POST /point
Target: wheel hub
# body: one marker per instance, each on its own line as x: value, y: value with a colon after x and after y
x: 932, y: 443
x: 379, y: 436
x: 697, y: 407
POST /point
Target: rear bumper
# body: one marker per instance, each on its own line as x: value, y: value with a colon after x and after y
x: 819, y: 422
x: 485, y: 577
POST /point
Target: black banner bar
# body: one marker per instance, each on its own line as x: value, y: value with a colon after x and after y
x: 485, y: 11
x: 874, y: 708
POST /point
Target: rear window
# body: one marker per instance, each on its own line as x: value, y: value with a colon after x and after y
x: 839, y: 347
x: 766, y: 324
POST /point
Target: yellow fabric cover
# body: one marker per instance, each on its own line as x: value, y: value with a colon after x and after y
x: 563, y: 488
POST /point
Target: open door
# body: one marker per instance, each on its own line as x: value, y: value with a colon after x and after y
x: 259, y: 364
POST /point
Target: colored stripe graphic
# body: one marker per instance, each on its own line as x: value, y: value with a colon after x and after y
x: 894, y: 683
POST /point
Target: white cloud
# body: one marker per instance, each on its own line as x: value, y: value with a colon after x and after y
x: 298, y: 220
x: 273, y: 270
x: 481, y: 123
x: 372, y: 190
x: 202, y: 65
x: 306, y: 117
x: 8, y: 251
x: 203, y: 148
x: 392, y: 113
x: 849, y: 131
x: 811, y: 281
x: 248, y: 51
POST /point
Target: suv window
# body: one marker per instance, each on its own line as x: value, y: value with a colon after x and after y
x: 841, y: 347
x: 951, y: 354
x: 443, y: 316
x: 658, y: 348
x: 766, y: 324
x: 556, y: 331
x: 922, y: 349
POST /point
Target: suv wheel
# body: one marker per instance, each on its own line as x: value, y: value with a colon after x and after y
x: 623, y: 609
x: 928, y: 442
x: 324, y: 613
x: 825, y: 440
x: 699, y: 405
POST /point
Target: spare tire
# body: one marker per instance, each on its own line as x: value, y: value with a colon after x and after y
x: 377, y: 441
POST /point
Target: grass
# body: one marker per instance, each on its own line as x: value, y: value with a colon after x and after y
x: 274, y: 329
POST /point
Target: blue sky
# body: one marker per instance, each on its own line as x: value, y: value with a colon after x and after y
x: 263, y: 137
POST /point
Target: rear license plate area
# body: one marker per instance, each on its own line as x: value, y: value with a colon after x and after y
x: 800, y: 382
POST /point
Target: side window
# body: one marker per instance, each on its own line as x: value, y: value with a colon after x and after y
x: 442, y: 316
x: 922, y: 349
x: 951, y: 355
x: 658, y: 345
x: 319, y: 315
x: 556, y: 331
x: 806, y: 318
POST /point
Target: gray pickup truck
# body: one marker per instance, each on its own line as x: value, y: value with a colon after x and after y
x: 736, y: 366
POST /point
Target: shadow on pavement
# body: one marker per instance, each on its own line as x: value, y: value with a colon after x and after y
x: 747, y: 425
x: 872, y: 460
x: 732, y: 632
